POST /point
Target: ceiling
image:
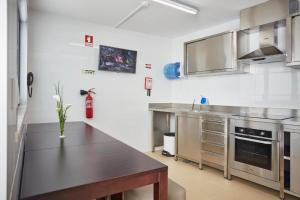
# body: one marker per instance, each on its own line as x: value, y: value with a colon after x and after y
x: 155, y: 19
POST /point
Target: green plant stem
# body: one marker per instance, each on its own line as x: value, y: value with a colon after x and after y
x: 61, y: 110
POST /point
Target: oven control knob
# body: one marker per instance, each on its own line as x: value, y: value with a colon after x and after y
x: 262, y: 133
x: 242, y: 130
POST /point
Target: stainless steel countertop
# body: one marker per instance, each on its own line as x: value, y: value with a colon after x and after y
x: 278, y: 119
x: 187, y: 108
x: 183, y: 110
x: 230, y: 111
x: 294, y: 122
x: 169, y: 110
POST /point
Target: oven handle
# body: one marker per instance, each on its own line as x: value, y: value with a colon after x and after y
x: 252, y: 140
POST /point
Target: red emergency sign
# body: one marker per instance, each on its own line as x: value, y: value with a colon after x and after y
x: 89, y: 40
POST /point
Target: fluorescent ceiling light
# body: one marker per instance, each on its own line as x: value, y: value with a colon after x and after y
x: 22, y: 4
x: 143, y: 5
x: 178, y: 6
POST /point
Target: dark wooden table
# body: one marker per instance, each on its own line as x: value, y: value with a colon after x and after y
x: 86, y: 165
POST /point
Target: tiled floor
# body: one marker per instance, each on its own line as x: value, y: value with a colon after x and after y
x: 209, y: 184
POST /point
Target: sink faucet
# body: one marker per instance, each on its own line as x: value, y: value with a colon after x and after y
x: 193, y: 106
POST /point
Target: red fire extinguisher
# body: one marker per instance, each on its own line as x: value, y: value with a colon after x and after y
x: 88, y: 102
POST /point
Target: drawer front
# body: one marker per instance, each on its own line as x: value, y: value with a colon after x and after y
x: 213, y: 148
x: 213, y: 138
x: 213, y: 126
x: 213, y: 158
x: 213, y: 118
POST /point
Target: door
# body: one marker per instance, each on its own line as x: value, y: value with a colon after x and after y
x: 296, y: 39
x: 189, y: 137
x: 13, y: 141
x: 209, y: 54
x: 295, y: 162
x: 256, y: 157
x: 255, y: 153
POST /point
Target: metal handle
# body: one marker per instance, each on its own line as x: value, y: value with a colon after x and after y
x: 252, y: 140
x: 12, y: 93
x: 289, y: 55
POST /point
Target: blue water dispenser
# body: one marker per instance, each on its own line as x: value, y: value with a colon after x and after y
x: 172, y: 70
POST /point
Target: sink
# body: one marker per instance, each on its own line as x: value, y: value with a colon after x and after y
x: 194, y: 111
x: 198, y: 111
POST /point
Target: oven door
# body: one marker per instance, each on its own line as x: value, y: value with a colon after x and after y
x: 255, y: 156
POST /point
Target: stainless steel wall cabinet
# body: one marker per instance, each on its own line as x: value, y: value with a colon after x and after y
x: 293, y: 41
x: 213, y: 54
x: 268, y: 12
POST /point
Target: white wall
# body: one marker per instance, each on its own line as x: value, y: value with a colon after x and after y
x: 3, y: 99
x: 268, y: 85
x: 23, y: 61
x: 121, y: 104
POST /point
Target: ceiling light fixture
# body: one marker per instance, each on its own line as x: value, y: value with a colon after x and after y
x: 23, y: 13
x: 143, y: 5
x: 178, y: 6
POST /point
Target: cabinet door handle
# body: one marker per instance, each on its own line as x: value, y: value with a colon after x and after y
x: 12, y: 95
x: 289, y: 39
x: 253, y: 140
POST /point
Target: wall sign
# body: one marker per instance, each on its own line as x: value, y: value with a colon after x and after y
x: 148, y: 66
x: 89, y: 40
x: 148, y: 85
x: 88, y: 71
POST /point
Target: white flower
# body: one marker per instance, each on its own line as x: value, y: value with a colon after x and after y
x: 67, y: 107
x: 57, y: 98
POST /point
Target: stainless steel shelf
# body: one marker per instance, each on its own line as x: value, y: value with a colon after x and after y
x: 292, y: 193
x: 287, y: 158
x: 213, y: 132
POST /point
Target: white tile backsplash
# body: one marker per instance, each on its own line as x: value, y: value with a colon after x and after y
x: 279, y: 84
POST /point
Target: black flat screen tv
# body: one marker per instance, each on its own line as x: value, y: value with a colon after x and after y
x: 116, y: 59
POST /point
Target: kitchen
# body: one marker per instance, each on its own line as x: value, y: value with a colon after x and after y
x: 248, y: 142
x: 223, y: 85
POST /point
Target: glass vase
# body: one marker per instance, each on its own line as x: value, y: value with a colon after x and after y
x: 62, y: 129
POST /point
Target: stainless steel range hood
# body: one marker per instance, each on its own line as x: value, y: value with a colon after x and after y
x: 268, y: 49
x: 266, y: 21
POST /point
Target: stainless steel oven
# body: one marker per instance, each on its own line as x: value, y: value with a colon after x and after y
x: 254, y: 148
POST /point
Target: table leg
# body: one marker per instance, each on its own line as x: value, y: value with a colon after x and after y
x: 118, y: 196
x: 161, y: 188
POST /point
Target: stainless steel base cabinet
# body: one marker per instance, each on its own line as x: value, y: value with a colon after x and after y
x: 188, y: 137
x: 214, y: 142
x: 295, y: 163
x: 291, y: 161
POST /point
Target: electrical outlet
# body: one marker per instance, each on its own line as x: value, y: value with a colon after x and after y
x: 88, y: 71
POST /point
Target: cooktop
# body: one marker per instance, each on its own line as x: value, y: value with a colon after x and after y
x: 263, y: 116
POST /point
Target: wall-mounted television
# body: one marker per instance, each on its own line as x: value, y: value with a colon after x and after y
x: 116, y: 59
